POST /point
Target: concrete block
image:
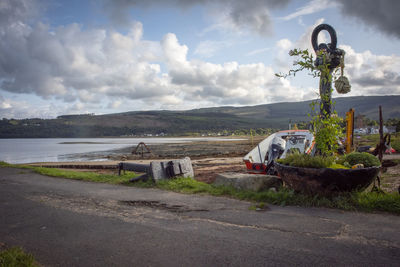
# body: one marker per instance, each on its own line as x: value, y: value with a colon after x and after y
x: 180, y: 167
x: 244, y: 181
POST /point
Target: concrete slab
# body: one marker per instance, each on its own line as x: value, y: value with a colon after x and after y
x: 245, y: 181
x: 180, y: 167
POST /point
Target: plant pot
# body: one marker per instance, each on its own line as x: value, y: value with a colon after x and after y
x: 326, y: 181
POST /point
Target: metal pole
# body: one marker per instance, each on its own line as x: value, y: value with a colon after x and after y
x: 381, y: 141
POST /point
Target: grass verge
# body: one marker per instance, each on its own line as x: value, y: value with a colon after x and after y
x: 354, y: 201
x: 77, y: 175
x: 16, y: 257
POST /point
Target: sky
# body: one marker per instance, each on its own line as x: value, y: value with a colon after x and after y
x: 109, y: 56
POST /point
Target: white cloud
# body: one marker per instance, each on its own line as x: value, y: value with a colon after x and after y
x: 258, y: 51
x: 72, y: 64
x: 19, y: 109
x: 282, y: 60
x: 209, y: 48
x: 372, y: 74
x: 85, y: 69
x: 228, y: 83
x: 253, y: 15
x: 369, y: 74
x: 311, y: 7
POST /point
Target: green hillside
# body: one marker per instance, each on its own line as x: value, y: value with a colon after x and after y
x: 275, y: 116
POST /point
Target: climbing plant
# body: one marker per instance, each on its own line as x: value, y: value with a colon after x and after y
x: 327, y: 129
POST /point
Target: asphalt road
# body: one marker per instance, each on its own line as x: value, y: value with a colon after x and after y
x: 72, y: 223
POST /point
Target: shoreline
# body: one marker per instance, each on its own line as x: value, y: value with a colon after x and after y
x: 208, y: 157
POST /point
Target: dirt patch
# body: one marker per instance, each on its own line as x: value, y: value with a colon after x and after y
x: 391, y: 177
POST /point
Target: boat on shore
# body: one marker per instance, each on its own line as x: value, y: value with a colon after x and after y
x: 261, y: 159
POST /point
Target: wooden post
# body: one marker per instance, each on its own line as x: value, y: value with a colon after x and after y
x: 349, y: 130
x: 381, y: 141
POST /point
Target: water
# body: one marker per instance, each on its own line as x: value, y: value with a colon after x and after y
x: 30, y: 150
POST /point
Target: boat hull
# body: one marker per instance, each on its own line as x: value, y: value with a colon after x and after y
x: 325, y: 181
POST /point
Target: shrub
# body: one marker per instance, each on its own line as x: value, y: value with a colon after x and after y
x: 15, y: 256
x: 396, y: 145
x: 344, y: 162
x: 307, y: 161
x: 338, y: 166
x: 364, y: 158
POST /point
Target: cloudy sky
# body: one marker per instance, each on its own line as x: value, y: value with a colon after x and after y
x: 106, y: 56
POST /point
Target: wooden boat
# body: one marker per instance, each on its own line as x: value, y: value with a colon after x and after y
x: 326, y: 181
x: 261, y: 159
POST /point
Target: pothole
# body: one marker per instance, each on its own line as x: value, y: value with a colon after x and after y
x: 158, y: 205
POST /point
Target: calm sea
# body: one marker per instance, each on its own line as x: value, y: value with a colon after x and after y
x: 67, y: 149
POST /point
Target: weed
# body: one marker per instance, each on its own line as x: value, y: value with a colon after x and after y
x: 307, y: 161
x: 364, y: 158
x: 77, y: 175
x: 16, y: 257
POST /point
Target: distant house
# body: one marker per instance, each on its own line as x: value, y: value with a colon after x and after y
x: 375, y: 130
x: 390, y: 129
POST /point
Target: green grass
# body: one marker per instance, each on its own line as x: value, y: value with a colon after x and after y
x: 373, y: 140
x: 342, y: 162
x: 364, y: 158
x: 396, y: 145
x: 16, y: 257
x: 86, y: 176
x: 355, y: 201
x: 307, y: 161
x: 77, y: 175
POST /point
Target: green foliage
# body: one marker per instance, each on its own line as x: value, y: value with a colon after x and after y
x: 86, y: 176
x: 343, y: 162
x: 338, y: 166
x: 16, y: 257
x: 326, y: 129
x: 364, y: 158
x: 4, y: 164
x: 76, y: 175
x: 206, y: 120
x: 307, y: 161
x: 396, y: 145
x: 362, y: 201
x: 375, y: 201
x: 306, y: 62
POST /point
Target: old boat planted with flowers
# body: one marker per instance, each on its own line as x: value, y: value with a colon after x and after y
x: 262, y: 158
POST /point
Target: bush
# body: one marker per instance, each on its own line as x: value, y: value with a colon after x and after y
x: 396, y: 145
x: 307, y: 161
x: 364, y: 158
x: 344, y: 162
x: 338, y: 166
x: 16, y: 257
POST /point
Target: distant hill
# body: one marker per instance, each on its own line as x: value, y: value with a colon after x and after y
x: 276, y: 116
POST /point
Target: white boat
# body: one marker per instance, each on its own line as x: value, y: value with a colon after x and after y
x: 261, y: 158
